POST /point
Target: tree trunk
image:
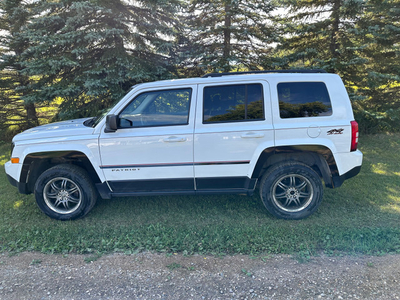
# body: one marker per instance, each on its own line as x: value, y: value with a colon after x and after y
x: 227, y: 37
x: 334, y: 44
x: 31, y: 116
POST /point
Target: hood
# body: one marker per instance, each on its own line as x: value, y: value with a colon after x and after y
x: 59, y: 130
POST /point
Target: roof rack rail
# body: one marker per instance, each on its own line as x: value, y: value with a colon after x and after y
x: 265, y: 71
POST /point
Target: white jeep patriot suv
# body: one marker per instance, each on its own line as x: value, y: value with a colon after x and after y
x: 286, y: 132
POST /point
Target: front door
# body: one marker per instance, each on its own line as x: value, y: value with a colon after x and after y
x: 152, y: 150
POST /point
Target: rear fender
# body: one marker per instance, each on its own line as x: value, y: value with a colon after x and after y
x: 320, y: 158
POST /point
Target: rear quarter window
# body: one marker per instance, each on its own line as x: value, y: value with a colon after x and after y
x: 303, y: 99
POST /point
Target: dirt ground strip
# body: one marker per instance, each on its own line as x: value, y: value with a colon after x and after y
x: 159, y: 276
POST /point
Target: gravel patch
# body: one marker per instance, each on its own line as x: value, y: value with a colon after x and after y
x: 146, y: 275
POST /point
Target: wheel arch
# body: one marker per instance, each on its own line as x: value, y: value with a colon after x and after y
x: 319, y: 158
x: 36, y: 163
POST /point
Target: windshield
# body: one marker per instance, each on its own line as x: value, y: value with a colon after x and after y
x: 102, y: 113
x: 92, y: 122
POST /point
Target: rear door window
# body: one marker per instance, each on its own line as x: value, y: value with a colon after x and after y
x: 233, y: 103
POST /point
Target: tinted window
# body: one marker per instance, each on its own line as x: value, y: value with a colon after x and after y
x: 158, y: 108
x: 231, y: 103
x: 303, y: 99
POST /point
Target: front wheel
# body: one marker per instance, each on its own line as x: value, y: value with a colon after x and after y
x: 65, y: 192
x: 291, y: 191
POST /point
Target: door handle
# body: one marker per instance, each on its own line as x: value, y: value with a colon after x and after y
x: 174, y: 139
x: 252, y: 135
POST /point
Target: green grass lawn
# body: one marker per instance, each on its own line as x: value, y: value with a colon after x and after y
x: 363, y: 216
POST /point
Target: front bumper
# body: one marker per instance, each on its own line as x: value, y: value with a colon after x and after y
x: 22, y: 187
x: 12, y: 181
x: 11, y: 171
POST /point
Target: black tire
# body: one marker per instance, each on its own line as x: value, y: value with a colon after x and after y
x: 291, y: 191
x: 65, y: 192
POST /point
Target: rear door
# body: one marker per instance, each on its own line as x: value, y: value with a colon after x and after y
x: 233, y: 124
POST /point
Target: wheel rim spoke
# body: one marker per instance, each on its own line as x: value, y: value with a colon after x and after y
x: 73, y: 199
x: 64, y: 184
x: 73, y: 190
x: 304, y: 195
x: 292, y: 181
x: 283, y: 186
x: 54, y: 187
x: 301, y: 185
x: 57, y: 202
x: 288, y: 201
x: 281, y: 195
x: 297, y: 201
x: 52, y: 195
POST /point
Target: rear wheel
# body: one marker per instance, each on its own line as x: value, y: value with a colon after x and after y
x: 291, y: 191
x: 65, y: 192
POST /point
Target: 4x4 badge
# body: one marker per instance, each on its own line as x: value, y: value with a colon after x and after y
x: 335, y: 131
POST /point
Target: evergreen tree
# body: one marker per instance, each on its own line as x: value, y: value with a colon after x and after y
x: 379, y: 32
x: 89, y: 53
x: 320, y: 34
x: 14, y: 16
x: 227, y: 34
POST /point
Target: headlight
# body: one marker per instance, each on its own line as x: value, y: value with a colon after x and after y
x: 14, y: 160
x: 12, y: 148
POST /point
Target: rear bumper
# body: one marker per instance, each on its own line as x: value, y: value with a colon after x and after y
x: 353, y: 172
x: 338, y: 180
x: 348, y: 165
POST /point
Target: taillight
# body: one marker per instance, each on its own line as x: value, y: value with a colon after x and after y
x: 354, y: 135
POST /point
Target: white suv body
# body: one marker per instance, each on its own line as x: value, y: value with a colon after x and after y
x: 285, y: 132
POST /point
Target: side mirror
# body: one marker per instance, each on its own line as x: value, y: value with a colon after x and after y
x: 111, y: 123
